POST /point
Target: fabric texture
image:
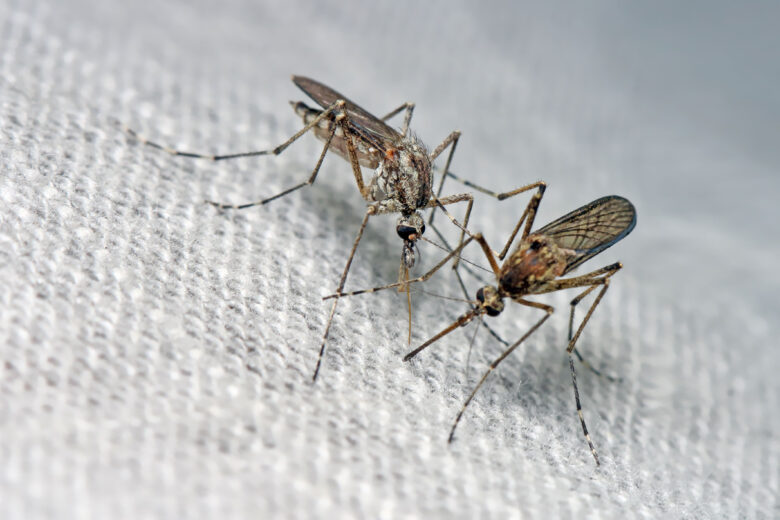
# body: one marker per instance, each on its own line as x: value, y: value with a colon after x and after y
x: 156, y: 353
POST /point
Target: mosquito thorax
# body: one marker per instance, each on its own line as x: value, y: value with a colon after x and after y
x: 490, y: 300
x: 404, y: 174
x: 535, y: 261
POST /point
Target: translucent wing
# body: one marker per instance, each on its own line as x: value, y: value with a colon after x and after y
x: 591, y: 229
x: 366, y: 125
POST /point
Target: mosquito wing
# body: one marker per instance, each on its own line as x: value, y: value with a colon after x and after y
x: 591, y: 229
x: 374, y: 130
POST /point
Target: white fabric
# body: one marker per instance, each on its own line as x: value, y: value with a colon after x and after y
x: 156, y: 354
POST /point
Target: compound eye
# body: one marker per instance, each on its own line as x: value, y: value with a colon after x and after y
x: 492, y: 311
x: 405, y: 231
x: 481, y: 295
x: 422, y: 229
x: 535, y: 245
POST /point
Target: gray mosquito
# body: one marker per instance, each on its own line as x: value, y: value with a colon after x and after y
x: 402, y: 180
x: 535, y: 267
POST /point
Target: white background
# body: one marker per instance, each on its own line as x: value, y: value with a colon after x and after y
x: 156, y: 354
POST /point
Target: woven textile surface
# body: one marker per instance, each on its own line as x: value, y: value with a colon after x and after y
x: 156, y: 354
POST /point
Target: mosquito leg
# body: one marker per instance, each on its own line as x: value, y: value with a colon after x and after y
x: 343, y: 119
x: 409, y: 107
x: 528, y: 215
x: 274, y: 151
x: 582, y: 360
x: 450, y: 139
x: 406, y: 283
x: 308, y: 182
x: 483, y: 322
x: 474, y: 311
x: 372, y: 210
x: 448, y: 248
x: 462, y: 285
x: 461, y: 321
x: 452, y: 199
x: 549, y: 310
x: 570, y: 348
x: 343, y: 281
x: 494, y: 194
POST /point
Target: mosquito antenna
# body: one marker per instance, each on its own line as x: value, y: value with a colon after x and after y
x: 446, y: 248
x: 451, y: 298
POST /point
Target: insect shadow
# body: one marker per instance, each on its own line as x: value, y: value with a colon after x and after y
x: 403, y: 175
x: 535, y: 267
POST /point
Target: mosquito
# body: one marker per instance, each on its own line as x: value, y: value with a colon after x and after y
x: 536, y: 266
x: 402, y: 181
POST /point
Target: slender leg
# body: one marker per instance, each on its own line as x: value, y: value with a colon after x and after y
x: 549, y: 310
x: 343, y: 119
x: 274, y: 151
x: 461, y: 321
x: 352, y: 153
x: 464, y: 227
x: 308, y: 182
x: 474, y: 311
x: 462, y: 285
x: 572, y: 342
x: 469, y: 266
x: 528, y: 215
x: 342, y: 122
x: 338, y: 294
x: 409, y: 107
x: 576, y: 352
x: 343, y: 281
x: 597, y: 277
x: 450, y: 139
x: 483, y: 322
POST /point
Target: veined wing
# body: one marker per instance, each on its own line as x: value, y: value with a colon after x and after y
x: 591, y: 229
x: 374, y: 130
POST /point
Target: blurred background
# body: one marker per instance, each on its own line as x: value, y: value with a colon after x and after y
x: 157, y: 353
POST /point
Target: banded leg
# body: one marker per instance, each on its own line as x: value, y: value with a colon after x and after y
x: 274, y: 151
x: 528, y: 216
x: 342, y: 282
x: 308, y: 182
x: 450, y: 139
x: 462, y: 285
x: 576, y: 352
x: 436, y: 202
x: 401, y: 284
x: 549, y: 310
x: 591, y: 281
x: 341, y: 123
x: 569, y: 350
x: 466, y: 318
x: 372, y: 210
x: 422, y: 278
x: 409, y: 107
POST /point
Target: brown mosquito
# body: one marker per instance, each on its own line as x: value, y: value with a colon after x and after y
x: 402, y: 181
x: 535, y: 267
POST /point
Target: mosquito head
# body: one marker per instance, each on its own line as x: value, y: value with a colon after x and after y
x: 410, y: 228
x: 490, y: 300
